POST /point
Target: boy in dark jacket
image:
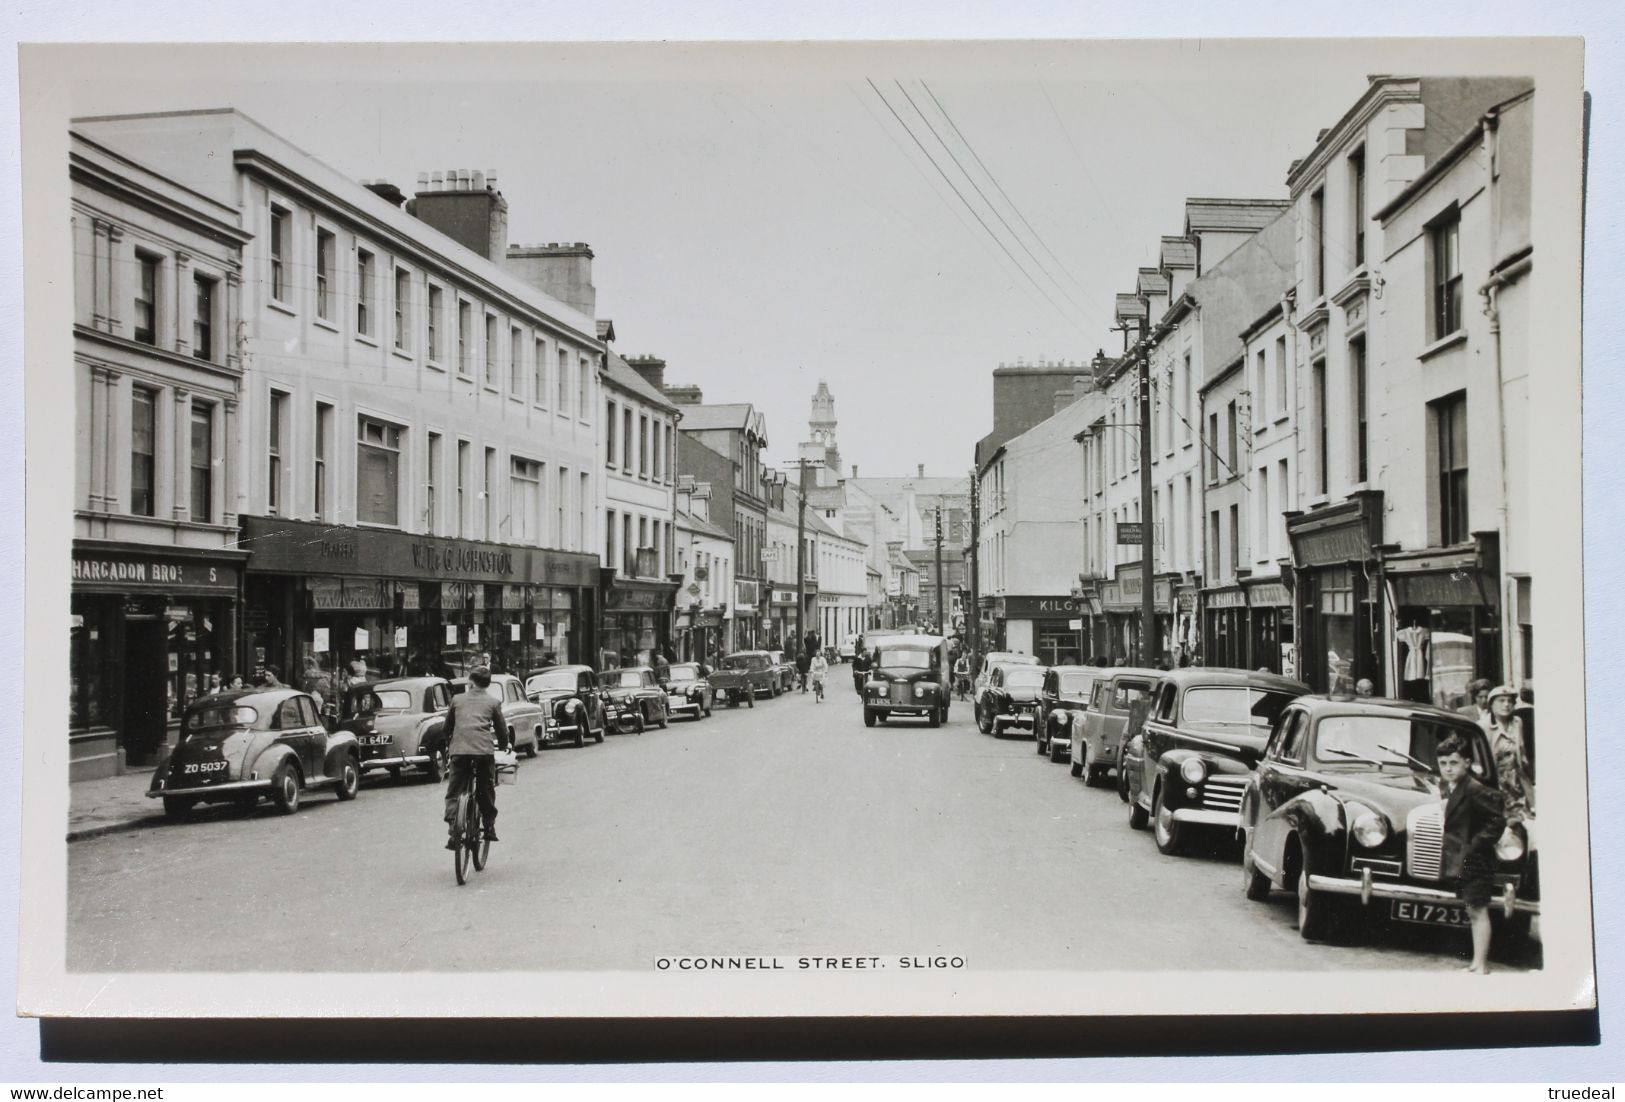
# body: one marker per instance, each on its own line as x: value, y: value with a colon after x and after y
x: 1473, y: 822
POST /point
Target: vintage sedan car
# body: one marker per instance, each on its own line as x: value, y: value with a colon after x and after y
x: 399, y: 724
x: 1060, y: 707
x: 572, y: 706
x: 1205, y: 731
x: 1098, y: 746
x: 634, y: 690
x: 238, y: 746
x: 524, y: 717
x: 688, y: 692
x: 990, y: 662
x: 1010, y: 699
x: 1344, y: 810
x: 784, y: 670
x: 743, y: 676
x: 909, y: 676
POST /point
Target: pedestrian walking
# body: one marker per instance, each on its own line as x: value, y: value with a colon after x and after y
x: 1473, y: 822
x: 271, y: 678
x: 1505, y: 731
x: 316, y: 683
x: 1478, y: 700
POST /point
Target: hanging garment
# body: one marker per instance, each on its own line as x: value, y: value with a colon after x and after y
x: 1416, y: 639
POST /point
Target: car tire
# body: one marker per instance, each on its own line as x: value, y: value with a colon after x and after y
x: 581, y: 735
x: 1040, y: 743
x: 882, y: 717
x: 934, y: 719
x: 1093, y: 774
x: 983, y: 724
x: 1164, y: 828
x: 1314, y: 908
x: 1254, y: 884
x: 349, y: 779
x: 439, y: 766
x: 535, y: 746
x: 1055, y: 754
x: 1077, y: 769
x: 285, y: 788
x: 1138, y: 819
x: 664, y: 718
x: 598, y: 735
x: 179, y: 807
x: 868, y: 717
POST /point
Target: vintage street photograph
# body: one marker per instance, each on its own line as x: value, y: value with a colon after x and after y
x: 998, y: 528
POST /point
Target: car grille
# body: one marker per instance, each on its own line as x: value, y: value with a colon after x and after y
x: 1424, y: 844
x: 1223, y: 793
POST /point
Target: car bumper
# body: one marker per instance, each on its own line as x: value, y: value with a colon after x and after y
x: 1201, y: 816
x: 229, y: 788
x: 1016, y: 719
x: 903, y: 709
x: 1368, y: 888
x: 372, y: 765
x: 675, y: 705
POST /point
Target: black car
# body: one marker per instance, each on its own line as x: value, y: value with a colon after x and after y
x: 1345, y: 812
x: 1010, y: 699
x: 909, y: 677
x: 571, y: 698
x: 688, y: 692
x: 1061, y: 704
x: 633, y: 690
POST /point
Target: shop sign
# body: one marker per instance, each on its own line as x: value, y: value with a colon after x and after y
x: 1270, y: 594
x: 1455, y: 588
x: 342, y: 593
x: 784, y: 596
x: 1040, y: 608
x: 1187, y: 600
x: 708, y: 618
x: 127, y: 572
x: 642, y: 600
x: 1227, y: 598
x: 1130, y: 533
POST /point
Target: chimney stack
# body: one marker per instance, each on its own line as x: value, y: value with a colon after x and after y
x: 562, y: 269
x: 684, y: 395
x: 854, y: 470
x: 386, y: 191
x: 921, y: 469
x: 465, y: 206
x: 652, y: 368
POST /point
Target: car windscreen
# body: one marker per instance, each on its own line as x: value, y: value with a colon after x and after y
x: 1236, y: 705
x: 1341, y: 740
x: 1023, y: 678
x: 359, y: 701
x: 623, y: 679
x: 743, y: 662
x: 1076, y: 684
x: 898, y: 657
x: 552, y: 679
x: 684, y: 673
x: 210, y: 716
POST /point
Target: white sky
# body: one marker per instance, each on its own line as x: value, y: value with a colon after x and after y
x: 761, y: 220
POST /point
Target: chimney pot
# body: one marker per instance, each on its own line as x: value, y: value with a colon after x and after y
x: 921, y: 469
x: 436, y: 181
x: 478, y: 179
x: 491, y: 178
x: 423, y: 181
x: 854, y: 470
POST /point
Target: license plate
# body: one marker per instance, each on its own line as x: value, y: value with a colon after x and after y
x: 204, y: 772
x: 1430, y: 914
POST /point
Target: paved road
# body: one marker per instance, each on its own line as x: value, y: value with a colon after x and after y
x: 786, y: 829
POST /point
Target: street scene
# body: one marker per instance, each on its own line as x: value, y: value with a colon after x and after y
x: 1198, y: 614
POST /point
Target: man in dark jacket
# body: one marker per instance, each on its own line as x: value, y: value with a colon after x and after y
x: 1473, y: 822
x: 476, y: 728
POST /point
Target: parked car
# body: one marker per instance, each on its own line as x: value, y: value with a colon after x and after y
x: 633, y: 689
x: 784, y: 670
x: 524, y: 717
x: 1344, y: 810
x: 1204, y: 733
x: 688, y: 692
x: 572, y: 705
x: 1105, y: 720
x: 399, y: 724
x: 990, y: 662
x: 1010, y: 698
x: 236, y: 747
x: 1061, y: 701
x: 908, y: 677
x: 848, y: 647
x: 743, y: 676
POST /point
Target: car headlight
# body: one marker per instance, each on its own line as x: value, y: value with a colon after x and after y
x: 1510, y: 847
x: 1370, y: 829
x: 923, y: 688
x: 1194, y: 770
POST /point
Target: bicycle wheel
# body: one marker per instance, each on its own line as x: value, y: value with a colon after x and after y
x: 476, y: 843
x: 460, y: 856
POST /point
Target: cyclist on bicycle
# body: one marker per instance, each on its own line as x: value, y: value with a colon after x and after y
x: 477, y: 730
x: 962, y: 676
x: 817, y: 669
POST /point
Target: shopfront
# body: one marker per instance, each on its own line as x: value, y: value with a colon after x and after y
x: 151, y: 629
x: 1447, y: 621
x: 1045, y: 627
x: 699, y: 633
x: 1187, y: 646
x: 1225, y: 615
x: 747, y: 634
x: 359, y: 602
x: 637, y: 627
x: 781, y: 618
x: 1339, y: 593
x: 1269, y: 612
x: 1121, y: 601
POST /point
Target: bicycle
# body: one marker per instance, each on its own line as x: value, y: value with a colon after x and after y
x: 473, y: 847
x: 818, y: 690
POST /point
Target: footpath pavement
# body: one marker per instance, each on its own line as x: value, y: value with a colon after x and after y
x: 110, y: 805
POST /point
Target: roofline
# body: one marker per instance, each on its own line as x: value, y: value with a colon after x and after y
x: 1224, y: 373
x: 1381, y: 87
x: 1263, y: 320
x: 1414, y: 190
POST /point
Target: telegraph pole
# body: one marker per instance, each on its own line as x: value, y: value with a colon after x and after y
x: 974, y: 613
x: 801, y: 555
x: 942, y: 615
x: 1148, y: 588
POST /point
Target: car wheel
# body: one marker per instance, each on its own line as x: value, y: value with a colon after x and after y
x: 1077, y: 767
x: 285, y: 788
x: 1041, y: 743
x: 1122, y: 777
x: 535, y: 746
x: 598, y: 735
x: 868, y: 717
x: 1092, y: 773
x: 750, y: 700
x: 1055, y: 753
x: 1137, y: 818
x: 439, y: 765
x: 349, y: 779
x: 934, y: 719
x: 664, y: 719
x: 1314, y: 908
x: 178, y: 807
x: 983, y: 724
x: 1254, y: 884
x: 1164, y: 829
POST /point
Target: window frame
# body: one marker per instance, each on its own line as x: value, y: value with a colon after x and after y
x: 201, y: 474
x: 327, y: 245
x: 203, y: 308
x: 392, y: 442
x: 279, y: 253
x: 402, y: 289
x: 365, y: 262
x: 147, y: 284
x: 150, y: 395
x: 1445, y: 282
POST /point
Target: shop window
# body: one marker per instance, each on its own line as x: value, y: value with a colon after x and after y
x: 378, y: 469
x: 143, y: 450
x: 326, y: 244
x: 203, y: 318
x: 90, y: 660
x: 202, y: 463
x: 1449, y: 417
x: 146, y: 299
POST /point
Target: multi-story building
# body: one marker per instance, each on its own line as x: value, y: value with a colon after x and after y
x: 712, y: 478
x: 737, y: 432
x: 842, y: 583
x: 640, y: 456
x: 704, y: 556
x: 418, y: 449
x: 157, y: 573
x: 1396, y: 134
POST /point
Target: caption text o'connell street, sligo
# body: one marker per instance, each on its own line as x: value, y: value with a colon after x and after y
x: 803, y: 964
